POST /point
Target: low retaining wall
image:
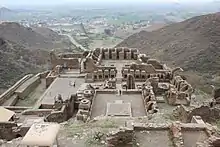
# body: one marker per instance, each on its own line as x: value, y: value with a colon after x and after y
x: 17, y: 109
x: 43, y: 75
x: 107, y: 91
x: 50, y: 79
x: 38, y: 112
x: 27, y: 87
x: 5, y: 96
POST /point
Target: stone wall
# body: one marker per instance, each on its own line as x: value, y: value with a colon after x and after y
x: 57, y: 116
x: 10, y: 91
x: 88, y: 65
x: 104, y: 73
x: 86, y: 104
x: 177, y: 129
x: 6, y: 130
x: 141, y: 72
x: 70, y: 55
x: 27, y: 87
x: 64, y: 61
x: 43, y: 75
x: 207, y: 114
x: 67, y: 63
x: 121, y: 137
x: 50, y: 78
x: 64, y: 114
x: 38, y: 112
x: 17, y: 109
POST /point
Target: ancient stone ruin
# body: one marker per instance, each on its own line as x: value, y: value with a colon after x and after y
x: 111, y: 83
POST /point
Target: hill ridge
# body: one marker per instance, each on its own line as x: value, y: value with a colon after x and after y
x: 193, y: 44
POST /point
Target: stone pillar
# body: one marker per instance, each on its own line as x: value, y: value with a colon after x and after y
x: 100, y: 74
x: 112, y: 73
x: 114, y: 54
x: 130, y: 82
x: 143, y: 75
x: 132, y: 72
x: 137, y: 74
x: 58, y: 69
x: 106, y: 51
x: 121, y: 54
x: 172, y: 96
x: 128, y: 55
x: 125, y: 73
x: 95, y: 75
x: 154, y: 82
x: 135, y: 56
x: 106, y: 74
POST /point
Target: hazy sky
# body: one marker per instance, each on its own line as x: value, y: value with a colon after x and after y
x: 54, y: 2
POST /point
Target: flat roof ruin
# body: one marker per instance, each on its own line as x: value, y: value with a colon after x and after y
x: 41, y: 134
x: 5, y: 114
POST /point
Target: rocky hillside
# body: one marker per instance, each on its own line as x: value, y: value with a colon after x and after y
x: 48, y: 33
x: 25, y: 50
x: 16, y: 61
x: 193, y: 44
x: 37, y: 38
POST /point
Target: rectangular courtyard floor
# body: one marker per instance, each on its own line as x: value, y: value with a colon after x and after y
x: 101, y: 100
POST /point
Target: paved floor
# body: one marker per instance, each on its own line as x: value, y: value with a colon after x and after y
x: 62, y: 86
x: 101, y: 100
x: 190, y: 138
x: 153, y: 139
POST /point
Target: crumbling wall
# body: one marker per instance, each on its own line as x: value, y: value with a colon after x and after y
x: 6, y: 130
x: 38, y: 112
x: 207, y: 114
x: 27, y: 87
x: 57, y: 116
x: 64, y: 61
x: 50, y: 78
x: 182, y: 113
x: 11, y: 90
x: 121, y: 137
x: 156, y: 64
x: 70, y: 55
x: 43, y: 75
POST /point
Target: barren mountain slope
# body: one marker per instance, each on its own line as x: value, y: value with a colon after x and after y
x: 42, y: 38
x: 16, y: 61
x: 193, y: 44
x: 48, y: 33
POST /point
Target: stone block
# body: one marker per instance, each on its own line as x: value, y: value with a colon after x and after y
x: 121, y: 55
x: 137, y: 74
x: 85, y: 104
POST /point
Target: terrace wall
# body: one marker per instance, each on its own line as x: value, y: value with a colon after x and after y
x: 7, y: 94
